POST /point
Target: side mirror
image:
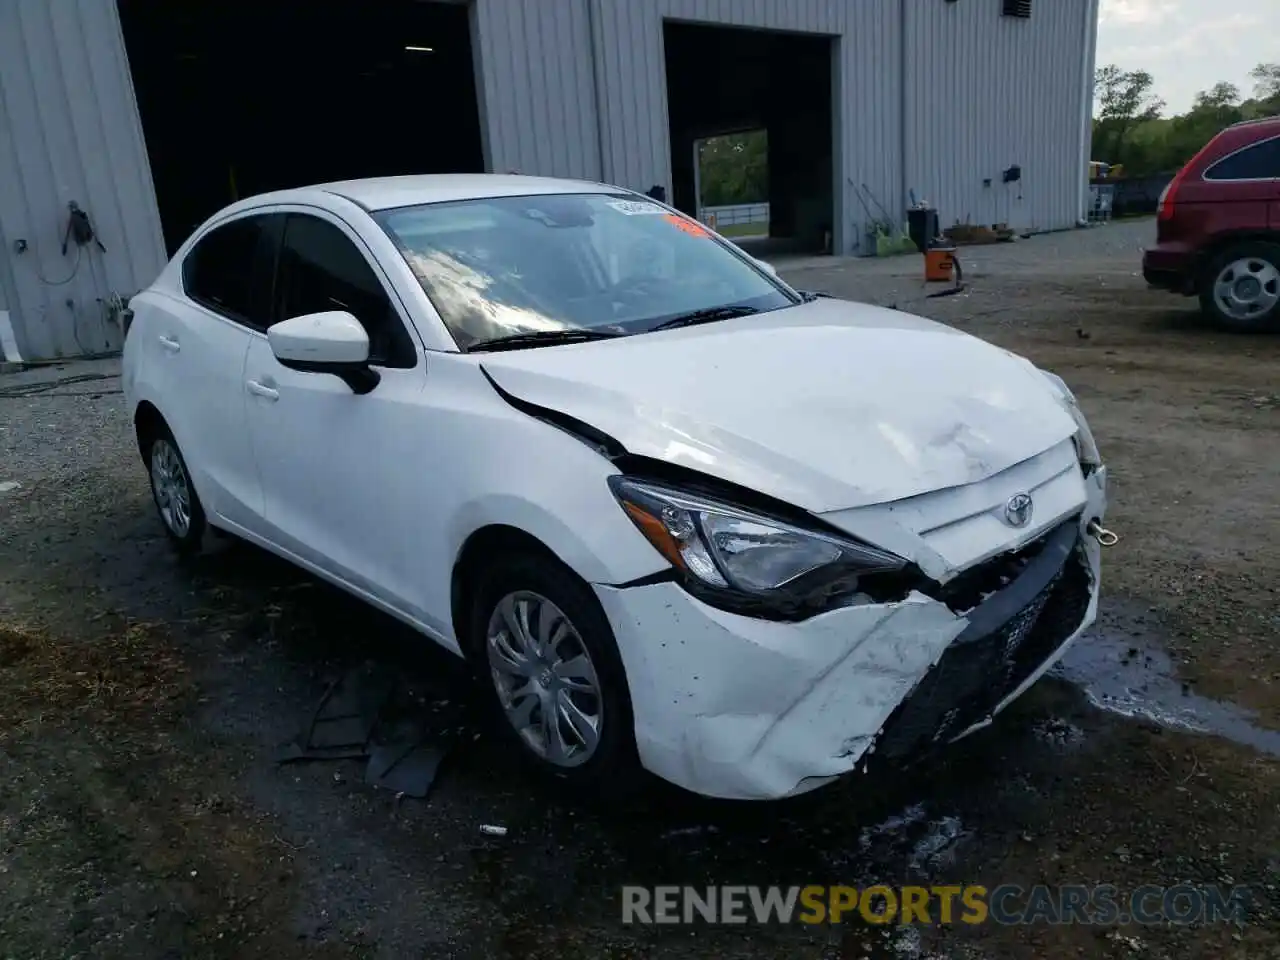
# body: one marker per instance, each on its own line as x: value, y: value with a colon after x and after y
x: 768, y: 268
x: 329, y: 342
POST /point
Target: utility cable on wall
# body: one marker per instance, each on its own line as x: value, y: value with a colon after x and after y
x: 75, y: 269
x: 78, y: 234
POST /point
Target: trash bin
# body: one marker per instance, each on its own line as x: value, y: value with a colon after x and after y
x: 922, y: 226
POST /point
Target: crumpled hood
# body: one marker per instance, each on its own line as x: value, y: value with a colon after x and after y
x: 828, y: 405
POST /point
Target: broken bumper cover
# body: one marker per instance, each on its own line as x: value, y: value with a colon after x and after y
x: 740, y: 708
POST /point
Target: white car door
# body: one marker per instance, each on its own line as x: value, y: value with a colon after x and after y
x: 335, y: 490
x: 201, y: 342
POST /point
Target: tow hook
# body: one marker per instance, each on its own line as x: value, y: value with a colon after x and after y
x: 1105, y: 537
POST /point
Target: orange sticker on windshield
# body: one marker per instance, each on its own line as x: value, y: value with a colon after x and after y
x: 691, y: 227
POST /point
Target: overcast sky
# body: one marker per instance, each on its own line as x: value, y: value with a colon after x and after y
x: 1189, y: 45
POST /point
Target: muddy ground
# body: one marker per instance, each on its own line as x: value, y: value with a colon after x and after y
x: 142, y: 701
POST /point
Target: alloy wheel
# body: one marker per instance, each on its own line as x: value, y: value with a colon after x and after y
x: 545, y: 679
x: 171, y: 487
x: 1247, y: 289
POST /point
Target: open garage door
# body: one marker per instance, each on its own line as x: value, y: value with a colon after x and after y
x: 241, y: 99
x: 733, y: 89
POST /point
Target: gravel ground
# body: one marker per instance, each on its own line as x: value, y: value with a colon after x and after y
x: 142, y: 701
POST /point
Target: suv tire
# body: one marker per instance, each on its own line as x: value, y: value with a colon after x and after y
x: 1240, y: 287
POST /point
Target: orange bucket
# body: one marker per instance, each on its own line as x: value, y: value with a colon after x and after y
x: 938, y: 264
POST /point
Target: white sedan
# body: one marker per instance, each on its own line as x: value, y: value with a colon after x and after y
x: 678, y: 515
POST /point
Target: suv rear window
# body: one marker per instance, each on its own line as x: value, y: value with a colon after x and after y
x: 1259, y: 161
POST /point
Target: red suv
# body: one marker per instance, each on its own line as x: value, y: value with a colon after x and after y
x: 1218, y: 228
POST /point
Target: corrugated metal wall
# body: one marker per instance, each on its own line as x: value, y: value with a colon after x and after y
x: 986, y: 92
x: 933, y: 96
x: 634, y: 93
x: 519, y: 41
x: 975, y: 93
x: 536, y: 86
x: 69, y: 130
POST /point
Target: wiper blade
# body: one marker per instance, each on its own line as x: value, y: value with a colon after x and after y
x: 710, y: 315
x: 542, y: 338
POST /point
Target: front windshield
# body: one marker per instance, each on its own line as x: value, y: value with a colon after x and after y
x: 503, y: 266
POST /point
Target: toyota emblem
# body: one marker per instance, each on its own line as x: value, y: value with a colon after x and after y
x: 1017, y: 511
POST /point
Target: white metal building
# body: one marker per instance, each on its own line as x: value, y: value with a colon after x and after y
x: 151, y: 116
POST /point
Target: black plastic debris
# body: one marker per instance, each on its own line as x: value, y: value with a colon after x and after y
x: 344, y: 721
x: 408, y: 769
x: 404, y: 730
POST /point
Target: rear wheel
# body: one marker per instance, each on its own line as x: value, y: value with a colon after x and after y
x: 174, y: 494
x: 1240, y: 289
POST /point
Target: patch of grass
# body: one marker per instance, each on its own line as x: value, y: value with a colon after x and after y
x: 744, y: 230
x: 128, y: 674
x: 115, y: 825
x: 14, y: 646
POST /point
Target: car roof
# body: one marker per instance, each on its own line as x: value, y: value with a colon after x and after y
x: 1263, y: 122
x: 383, y: 193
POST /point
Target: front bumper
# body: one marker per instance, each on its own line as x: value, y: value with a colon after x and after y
x: 740, y: 708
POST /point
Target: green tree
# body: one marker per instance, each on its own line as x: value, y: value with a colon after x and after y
x: 734, y: 168
x: 1124, y: 101
x: 1266, y: 81
x: 1266, y: 91
x: 1129, y: 130
x: 1212, y: 110
x: 1220, y: 97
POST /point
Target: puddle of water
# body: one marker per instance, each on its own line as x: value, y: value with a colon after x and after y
x: 936, y: 847
x: 697, y: 831
x: 926, y: 845
x: 894, y: 825
x: 8, y: 485
x: 1120, y: 675
x: 1059, y: 733
x: 903, y: 943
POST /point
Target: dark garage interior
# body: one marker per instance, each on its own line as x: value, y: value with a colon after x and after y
x: 240, y: 99
x: 725, y: 80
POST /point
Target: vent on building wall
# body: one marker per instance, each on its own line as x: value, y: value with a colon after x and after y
x: 1017, y: 8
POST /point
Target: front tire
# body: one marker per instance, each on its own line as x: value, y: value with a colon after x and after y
x: 1240, y: 289
x: 551, y: 666
x: 173, y: 493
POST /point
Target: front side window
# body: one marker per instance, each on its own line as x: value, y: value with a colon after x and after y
x: 321, y: 269
x: 1258, y: 162
x: 223, y: 271
x: 504, y: 266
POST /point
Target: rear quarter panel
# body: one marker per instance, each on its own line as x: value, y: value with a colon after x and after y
x: 138, y: 361
x: 1210, y: 212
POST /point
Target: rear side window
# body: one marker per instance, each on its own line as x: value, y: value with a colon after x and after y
x: 321, y: 269
x: 1261, y: 161
x: 224, y: 272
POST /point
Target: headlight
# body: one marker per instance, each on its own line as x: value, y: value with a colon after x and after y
x: 731, y: 551
x: 1086, y: 446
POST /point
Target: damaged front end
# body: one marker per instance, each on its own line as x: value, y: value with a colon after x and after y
x: 1012, y: 635
x: 787, y: 645
x: 733, y: 705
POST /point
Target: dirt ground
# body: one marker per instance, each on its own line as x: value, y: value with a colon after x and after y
x: 141, y: 703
